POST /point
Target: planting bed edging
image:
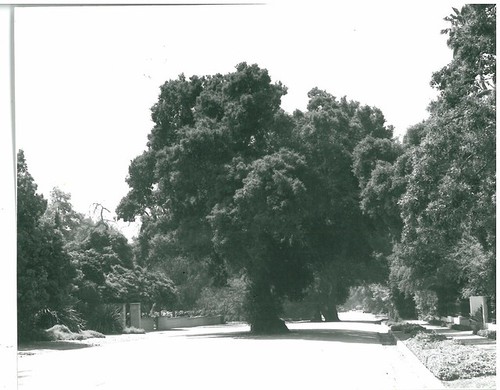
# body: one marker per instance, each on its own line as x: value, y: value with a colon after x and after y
x: 423, y: 371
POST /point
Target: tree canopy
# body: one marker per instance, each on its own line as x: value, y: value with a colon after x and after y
x: 439, y: 194
x: 230, y: 179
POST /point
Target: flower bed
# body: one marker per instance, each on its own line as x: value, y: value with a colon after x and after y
x: 448, y: 360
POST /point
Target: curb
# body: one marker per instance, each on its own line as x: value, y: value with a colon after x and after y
x: 423, y: 371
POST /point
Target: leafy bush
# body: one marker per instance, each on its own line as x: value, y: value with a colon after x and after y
x: 450, y: 361
x: 68, y: 316
x: 407, y: 327
x: 106, y: 319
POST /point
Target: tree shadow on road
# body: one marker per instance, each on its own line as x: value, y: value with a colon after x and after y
x: 334, y: 335
x: 52, y: 345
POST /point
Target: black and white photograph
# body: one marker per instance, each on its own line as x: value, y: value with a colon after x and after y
x: 248, y: 195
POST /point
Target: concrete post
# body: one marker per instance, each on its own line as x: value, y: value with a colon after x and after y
x: 123, y: 315
x: 135, y: 315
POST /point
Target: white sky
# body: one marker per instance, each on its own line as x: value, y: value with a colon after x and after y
x: 86, y: 77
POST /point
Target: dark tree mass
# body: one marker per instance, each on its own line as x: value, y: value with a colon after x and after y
x: 229, y: 178
x: 438, y: 197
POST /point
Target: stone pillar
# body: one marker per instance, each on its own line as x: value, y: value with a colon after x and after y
x: 477, y: 303
x: 135, y: 315
x: 123, y: 315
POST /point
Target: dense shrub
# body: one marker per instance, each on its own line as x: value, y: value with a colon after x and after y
x: 68, y: 316
x: 106, y: 319
x: 406, y: 327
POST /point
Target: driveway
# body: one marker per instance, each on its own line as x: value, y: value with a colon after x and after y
x: 345, y: 355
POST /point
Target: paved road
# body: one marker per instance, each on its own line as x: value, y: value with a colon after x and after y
x: 346, y: 355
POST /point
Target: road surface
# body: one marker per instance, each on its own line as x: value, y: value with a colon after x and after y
x: 345, y: 355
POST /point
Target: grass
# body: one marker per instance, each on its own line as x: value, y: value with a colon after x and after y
x: 450, y: 361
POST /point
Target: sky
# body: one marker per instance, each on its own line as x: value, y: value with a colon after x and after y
x: 86, y: 77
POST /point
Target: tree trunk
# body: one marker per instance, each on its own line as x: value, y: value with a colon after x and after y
x: 330, y: 313
x: 262, y: 309
x: 317, y: 314
x: 268, y: 326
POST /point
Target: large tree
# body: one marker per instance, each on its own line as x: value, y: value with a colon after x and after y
x: 231, y: 180
x: 208, y: 133
x: 341, y: 241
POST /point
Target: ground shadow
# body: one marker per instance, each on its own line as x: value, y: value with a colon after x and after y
x: 52, y: 345
x: 334, y: 335
x: 376, y: 322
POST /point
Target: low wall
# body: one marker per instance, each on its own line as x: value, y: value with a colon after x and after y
x: 165, y: 323
x: 147, y: 323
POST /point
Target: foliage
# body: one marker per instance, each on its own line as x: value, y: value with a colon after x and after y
x: 231, y: 183
x: 408, y: 328
x: 138, y: 284
x: 44, y: 271
x: 373, y: 298
x: 106, y: 319
x: 226, y: 301
x: 437, y: 198
x: 60, y: 211
x: 450, y: 361
x: 426, y: 304
x: 67, y: 316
